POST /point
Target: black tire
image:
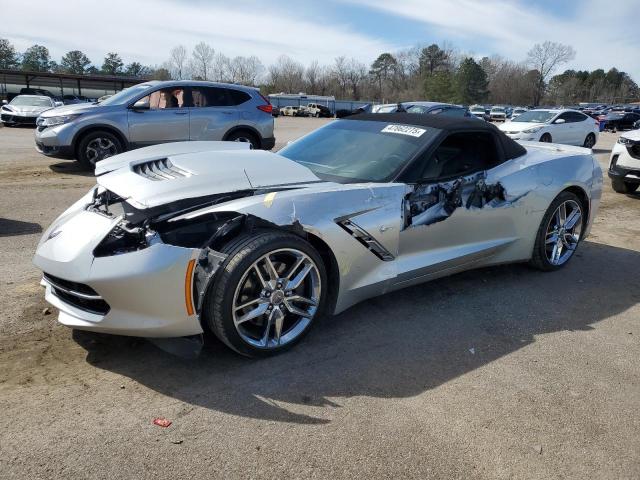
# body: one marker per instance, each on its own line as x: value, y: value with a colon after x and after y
x: 245, y: 136
x: 620, y: 186
x: 539, y: 258
x: 546, y: 138
x: 589, y: 141
x: 242, y: 253
x: 84, y: 151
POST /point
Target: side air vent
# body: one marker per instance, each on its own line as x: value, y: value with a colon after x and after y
x: 161, y: 169
x: 362, y: 236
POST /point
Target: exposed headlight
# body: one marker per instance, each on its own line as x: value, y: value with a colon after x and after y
x: 51, y: 121
x: 532, y: 130
x: 625, y: 141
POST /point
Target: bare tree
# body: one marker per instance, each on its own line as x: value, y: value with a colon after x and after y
x: 286, y: 75
x: 203, y: 55
x: 178, y: 62
x: 545, y: 58
x: 311, y: 75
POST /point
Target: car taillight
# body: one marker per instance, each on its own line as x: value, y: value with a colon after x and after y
x: 268, y: 108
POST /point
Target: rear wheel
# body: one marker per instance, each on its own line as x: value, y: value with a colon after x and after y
x: 246, y: 137
x: 590, y: 141
x: 621, y: 186
x: 559, y: 233
x: 97, y: 146
x: 546, y: 138
x: 268, y: 293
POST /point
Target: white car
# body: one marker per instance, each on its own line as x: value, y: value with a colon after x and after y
x: 498, y: 114
x: 624, y: 165
x: 517, y: 112
x: 25, y: 109
x: 290, y: 111
x: 569, y: 127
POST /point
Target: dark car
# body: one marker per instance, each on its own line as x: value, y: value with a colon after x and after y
x: 36, y: 91
x: 620, y: 120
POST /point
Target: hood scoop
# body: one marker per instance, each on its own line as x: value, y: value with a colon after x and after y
x: 161, y: 169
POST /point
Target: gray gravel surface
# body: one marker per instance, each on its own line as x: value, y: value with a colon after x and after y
x: 498, y: 373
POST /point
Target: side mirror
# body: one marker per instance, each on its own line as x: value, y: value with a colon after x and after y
x: 636, y: 125
x: 4, y: 102
x: 142, y: 104
x: 58, y: 104
x: 559, y: 121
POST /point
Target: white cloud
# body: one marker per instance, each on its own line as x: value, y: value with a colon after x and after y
x: 603, y: 34
x: 145, y: 30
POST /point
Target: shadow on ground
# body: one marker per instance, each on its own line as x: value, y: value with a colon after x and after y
x: 12, y: 228
x: 396, y: 345
x: 72, y: 168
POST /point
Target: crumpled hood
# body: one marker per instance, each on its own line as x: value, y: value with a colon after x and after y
x: 162, y: 174
x: 515, y: 126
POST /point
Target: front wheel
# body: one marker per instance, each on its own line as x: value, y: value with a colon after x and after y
x: 620, y: 186
x: 268, y: 293
x: 559, y: 233
x: 546, y: 138
x: 97, y: 146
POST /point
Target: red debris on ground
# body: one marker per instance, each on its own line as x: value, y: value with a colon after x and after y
x: 161, y: 422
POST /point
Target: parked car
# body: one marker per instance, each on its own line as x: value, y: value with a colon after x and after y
x: 275, y: 111
x: 432, y: 108
x: 289, y: 111
x: 215, y: 244
x: 25, y: 109
x: 615, y: 121
x: 36, y: 91
x: 624, y: 163
x: 517, y: 112
x: 73, y: 99
x: 570, y: 127
x: 156, y: 112
x: 498, y: 114
x: 479, y: 111
x: 317, y: 110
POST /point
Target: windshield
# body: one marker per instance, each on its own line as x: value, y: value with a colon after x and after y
x: 497, y: 109
x: 31, y: 102
x: 536, y: 116
x: 347, y: 151
x: 477, y: 109
x: 126, y: 95
x: 519, y: 110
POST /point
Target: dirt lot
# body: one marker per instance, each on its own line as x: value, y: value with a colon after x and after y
x: 497, y: 373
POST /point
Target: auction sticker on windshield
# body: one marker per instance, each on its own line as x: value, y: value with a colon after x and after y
x: 404, y: 130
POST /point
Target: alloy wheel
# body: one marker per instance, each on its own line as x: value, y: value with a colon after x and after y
x: 276, y: 298
x: 99, y: 149
x: 563, y: 232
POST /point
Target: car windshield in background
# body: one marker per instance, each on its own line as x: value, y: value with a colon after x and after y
x: 125, y: 96
x: 536, y: 116
x: 31, y: 102
x: 347, y: 151
x: 499, y: 110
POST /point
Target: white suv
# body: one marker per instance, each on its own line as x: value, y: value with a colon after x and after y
x: 624, y: 165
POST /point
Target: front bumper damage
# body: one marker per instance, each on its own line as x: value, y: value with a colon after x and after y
x: 128, y: 282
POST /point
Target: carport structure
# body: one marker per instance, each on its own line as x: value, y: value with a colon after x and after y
x: 11, y: 81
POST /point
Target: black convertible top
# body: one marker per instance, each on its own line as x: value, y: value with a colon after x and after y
x: 510, y: 147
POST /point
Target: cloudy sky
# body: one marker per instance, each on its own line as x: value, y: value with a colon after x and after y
x: 603, y: 33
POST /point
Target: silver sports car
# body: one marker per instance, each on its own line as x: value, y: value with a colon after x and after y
x: 254, y: 246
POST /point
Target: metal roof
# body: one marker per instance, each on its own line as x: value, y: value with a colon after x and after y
x: 67, y: 80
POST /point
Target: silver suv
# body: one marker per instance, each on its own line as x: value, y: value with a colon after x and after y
x: 156, y: 112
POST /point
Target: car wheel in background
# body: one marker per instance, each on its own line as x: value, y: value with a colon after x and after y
x: 546, y: 137
x: 620, y: 186
x: 267, y: 294
x: 559, y: 233
x: 590, y: 141
x: 97, y: 146
x: 244, y: 136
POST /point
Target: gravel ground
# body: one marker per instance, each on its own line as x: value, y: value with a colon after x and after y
x: 498, y: 373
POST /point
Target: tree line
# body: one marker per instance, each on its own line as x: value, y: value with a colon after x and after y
x: 433, y: 72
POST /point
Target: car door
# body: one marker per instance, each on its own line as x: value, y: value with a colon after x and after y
x: 160, y: 117
x: 212, y: 113
x: 561, y: 132
x: 453, y: 217
x: 583, y: 126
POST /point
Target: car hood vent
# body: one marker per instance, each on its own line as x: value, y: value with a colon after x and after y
x: 161, y: 169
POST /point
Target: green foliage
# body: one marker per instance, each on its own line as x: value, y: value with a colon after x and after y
x: 432, y: 59
x: 75, y: 62
x: 8, y: 55
x: 136, y: 69
x: 439, y: 87
x: 471, y: 83
x: 112, y: 64
x: 36, y: 59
